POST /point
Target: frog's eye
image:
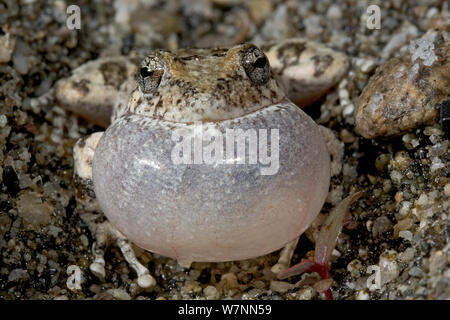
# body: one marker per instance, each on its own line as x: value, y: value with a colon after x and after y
x: 256, y: 65
x: 150, y: 74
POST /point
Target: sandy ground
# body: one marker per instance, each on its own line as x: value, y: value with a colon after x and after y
x: 400, y: 249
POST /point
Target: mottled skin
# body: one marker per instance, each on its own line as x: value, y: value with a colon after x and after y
x: 177, y: 87
x: 203, y: 84
x: 305, y: 70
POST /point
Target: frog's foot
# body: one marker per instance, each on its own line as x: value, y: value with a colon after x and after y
x: 285, y: 257
x: 105, y: 234
x: 89, y: 211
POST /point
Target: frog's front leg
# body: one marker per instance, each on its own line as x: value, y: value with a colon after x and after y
x: 90, y: 212
x: 336, y: 151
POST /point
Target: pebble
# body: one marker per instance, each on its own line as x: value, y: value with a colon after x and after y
x: 211, y: 292
x: 437, y: 261
x: 228, y: 281
x: 380, y: 226
x: 7, y: 46
x: 3, y: 121
x: 415, y: 272
x: 47, y: 141
x: 404, y: 91
x: 402, y: 226
x: 388, y: 266
x: 31, y: 208
x: 407, y: 255
x: 368, y: 66
x: 406, y: 32
x: 334, y: 12
x: 355, y: 267
x: 18, y: 274
x: 281, y: 286
x: 363, y: 295
x: 118, y: 294
x: 447, y: 189
x: 23, y: 57
x: 306, y: 293
x: 406, y: 234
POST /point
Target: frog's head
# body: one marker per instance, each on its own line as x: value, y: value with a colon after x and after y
x: 204, y: 84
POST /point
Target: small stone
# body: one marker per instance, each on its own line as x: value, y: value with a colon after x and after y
x: 382, y: 161
x: 436, y: 164
x: 347, y: 136
x: 7, y: 46
x: 368, y: 66
x: 229, y: 281
x: 260, y: 10
x: 211, y: 292
x: 407, y: 255
x: 447, y: 189
x: 363, y: 295
x: 396, y: 176
x: 415, y: 272
x: 31, y: 208
x: 381, y: 226
x: 388, y: 266
x: 281, y: 286
x: 18, y: 274
x: 323, y: 285
x: 422, y: 200
x: 406, y: 234
x: 191, y: 287
x: 84, y: 240
x: 118, y: 294
x: 404, y: 91
x: 334, y: 12
x: 406, y: 32
x: 402, y: 226
x: 3, y: 121
x: 5, y: 223
x: 53, y: 230
x: 354, y: 267
x: 437, y: 261
x: 348, y: 110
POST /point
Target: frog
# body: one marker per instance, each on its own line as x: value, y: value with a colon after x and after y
x: 214, y: 89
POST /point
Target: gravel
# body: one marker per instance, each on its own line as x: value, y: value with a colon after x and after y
x: 400, y: 249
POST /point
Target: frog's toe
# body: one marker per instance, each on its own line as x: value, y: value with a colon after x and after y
x: 285, y: 257
x: 145, y: 280
x: 98, y: 266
